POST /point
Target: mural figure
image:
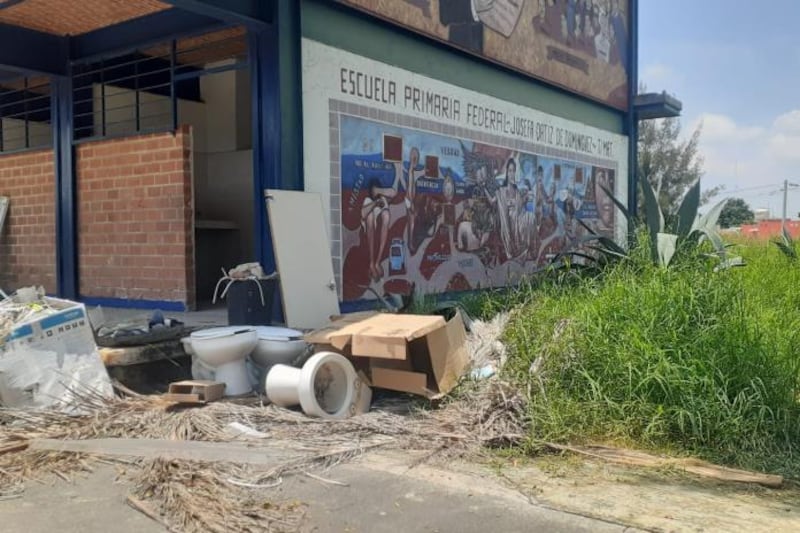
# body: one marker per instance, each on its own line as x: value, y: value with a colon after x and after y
x: 409, y: 183
x: 509, y: 201
x: 375, y: 220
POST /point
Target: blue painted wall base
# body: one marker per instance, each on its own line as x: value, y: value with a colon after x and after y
x: 123, y: 303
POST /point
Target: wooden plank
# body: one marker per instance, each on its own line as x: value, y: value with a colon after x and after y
x: 691, y: 465
x: 303, y: 257
x: 189, y: 450
x: 16, y: 447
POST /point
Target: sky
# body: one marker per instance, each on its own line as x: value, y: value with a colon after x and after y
x: 735, y: 65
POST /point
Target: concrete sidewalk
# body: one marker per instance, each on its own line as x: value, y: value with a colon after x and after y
x: 382, y: 495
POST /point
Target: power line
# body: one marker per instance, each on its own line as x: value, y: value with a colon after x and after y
x: 745, y: 189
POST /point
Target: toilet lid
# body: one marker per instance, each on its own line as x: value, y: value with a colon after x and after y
x: 273, y: 333
x: 215, y: 333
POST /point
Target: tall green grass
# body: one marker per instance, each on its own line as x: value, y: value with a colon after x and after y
x: 684, y: 358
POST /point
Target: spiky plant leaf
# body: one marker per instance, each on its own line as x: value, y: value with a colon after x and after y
x: 720, y: 249
x: 607, y: 252
x: 787, y: 249
x: 654, y: 216
x: 687, y: 212
x: 606, y: 242
x: 666, y: 243
x: 709, y: 220
x: 586, y: 226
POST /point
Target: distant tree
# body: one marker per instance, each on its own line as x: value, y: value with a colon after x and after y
x: 670, y: 164
x: 735, y: 213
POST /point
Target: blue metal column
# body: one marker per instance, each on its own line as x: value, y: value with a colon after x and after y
x: 632, y: 126
x: 264, y: 71
x: 66, y: 189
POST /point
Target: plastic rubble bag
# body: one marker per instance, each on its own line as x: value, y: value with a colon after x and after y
x: 40, y: 379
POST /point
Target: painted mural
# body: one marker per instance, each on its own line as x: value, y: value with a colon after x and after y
x: 580, y: 45
x: 432, y: 213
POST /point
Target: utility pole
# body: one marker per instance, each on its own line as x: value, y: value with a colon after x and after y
x: 786, y: 185
x: 785, y: 196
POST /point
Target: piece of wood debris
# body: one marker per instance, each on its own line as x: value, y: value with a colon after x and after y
x: 189, y: 450
x: 16, y: 447
x: 693, y: 466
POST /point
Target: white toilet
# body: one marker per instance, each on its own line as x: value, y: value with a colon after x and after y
x: 276, y: 346
x: 224, y: 350
x: 327, y: 387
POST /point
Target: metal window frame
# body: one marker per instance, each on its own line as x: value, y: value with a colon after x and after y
x: 24, y: 117
x: 173, y: 72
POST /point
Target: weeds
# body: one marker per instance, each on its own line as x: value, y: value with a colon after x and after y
x: 683, y: 358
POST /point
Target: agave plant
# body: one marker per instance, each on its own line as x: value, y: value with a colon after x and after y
x: 686, y: 230
x: 787, y: 245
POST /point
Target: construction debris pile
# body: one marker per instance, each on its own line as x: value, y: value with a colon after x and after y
x: 212, y: 467
x: 47, y: 353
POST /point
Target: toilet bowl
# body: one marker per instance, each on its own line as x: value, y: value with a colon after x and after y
x: 275, y: 346
x: 224, y: 350
x: 199, y: 370
x: 327, y: 387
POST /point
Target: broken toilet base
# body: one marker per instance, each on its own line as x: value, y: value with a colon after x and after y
x: 327, y: 387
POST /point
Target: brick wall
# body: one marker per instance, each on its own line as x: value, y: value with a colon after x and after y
x: 135, y: 218
x: 770, y: 229
x: 28, y: 241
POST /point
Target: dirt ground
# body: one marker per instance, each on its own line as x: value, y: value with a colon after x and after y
x: 385, y: 493
x: 654, y: 500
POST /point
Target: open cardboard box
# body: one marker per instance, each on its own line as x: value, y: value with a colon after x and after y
x: 423, y: 355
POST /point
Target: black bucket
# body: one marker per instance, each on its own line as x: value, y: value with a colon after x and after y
x: 244, y: 302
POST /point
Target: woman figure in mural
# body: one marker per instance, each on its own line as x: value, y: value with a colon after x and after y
x: 375, y: 220
x: 508, y: 201
x: 409, y: 182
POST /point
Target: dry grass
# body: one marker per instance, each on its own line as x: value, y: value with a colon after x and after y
x: 190, y: 496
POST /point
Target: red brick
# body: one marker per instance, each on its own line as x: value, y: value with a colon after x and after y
x: 27, y: 245
x: 133, y: 219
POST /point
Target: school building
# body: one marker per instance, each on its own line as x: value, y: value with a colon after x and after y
x: 453, y: 143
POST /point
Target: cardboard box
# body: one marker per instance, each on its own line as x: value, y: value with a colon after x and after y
x: 66, y: 331
x: 423, y: 355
